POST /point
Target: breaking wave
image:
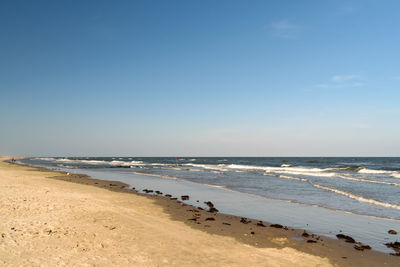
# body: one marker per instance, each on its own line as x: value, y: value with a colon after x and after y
x: 94, y: 162
x: 358, y: 198
x: 366, y: 180
x: 292, y: 178
x: 365, y: 170
x: 286, y: 165
x: 47, y: 159
x: 394, y: 174
x: 284, y: 169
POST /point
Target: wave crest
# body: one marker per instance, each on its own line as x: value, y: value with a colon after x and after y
x: 358, y: 198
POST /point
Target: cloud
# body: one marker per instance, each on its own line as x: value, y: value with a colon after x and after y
x: 343, y: 81
x: 344, y: 78
x: 285, y: 29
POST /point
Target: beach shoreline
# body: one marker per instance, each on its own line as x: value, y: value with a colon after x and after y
x: 256, y: 234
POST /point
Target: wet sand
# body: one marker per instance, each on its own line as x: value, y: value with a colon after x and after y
x: 49, y: 221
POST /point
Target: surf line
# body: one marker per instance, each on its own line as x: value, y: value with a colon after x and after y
x: 365, y: 180
x: 358, y: 198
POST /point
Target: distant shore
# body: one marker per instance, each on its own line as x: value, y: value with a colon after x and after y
x: 76, y: 224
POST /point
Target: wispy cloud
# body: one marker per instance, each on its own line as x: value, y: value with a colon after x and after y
x: 344, y: 81
x: 285, y: 29
x: 345, y: 78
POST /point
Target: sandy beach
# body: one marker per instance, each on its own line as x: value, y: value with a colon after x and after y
x: 47, y: 220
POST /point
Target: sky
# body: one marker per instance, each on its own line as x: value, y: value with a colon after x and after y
x: 200, y: 78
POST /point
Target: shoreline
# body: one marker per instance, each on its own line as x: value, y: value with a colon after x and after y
x: 271, y: 198
x: 321, y: 221
x: 255, y: 233
x: 232, y: 189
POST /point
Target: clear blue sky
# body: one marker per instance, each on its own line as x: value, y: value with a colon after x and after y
x: 200, y: 78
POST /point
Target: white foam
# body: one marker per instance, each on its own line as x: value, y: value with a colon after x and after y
x: 292, y: 178
x: 366, y: 180
x: 310, y: 172
x: 119, y: 163
x: 244, y: 167
x: 277, y: 170
x: 216, y: 186
x: 358, y: 198
x: 286, y: 165
x: 124, y: 163
x: 64, y: 160
x: 365, y: 170
x: 285, y: 169
x: 159, y: 164
x: 47, y: 159
x: 396, y: 175
x: 137, y: 162
x: 219, y: 167
x: 101, y: 162
x: 92, y: 162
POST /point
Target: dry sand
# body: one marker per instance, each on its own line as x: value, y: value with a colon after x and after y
x: 51, y: 222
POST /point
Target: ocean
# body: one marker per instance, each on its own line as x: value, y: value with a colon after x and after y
x: 364, y: 192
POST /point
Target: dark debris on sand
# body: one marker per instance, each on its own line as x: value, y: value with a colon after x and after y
x: 357, y: 245
x: 244, y: 220
x: 394, y: 245
x: 346, y: 238
x: 392, y: 232
x: 147, y: 191
x: 260, y: 223
x: 213, y: 210
x: 211, y: 206
x: 305, y: 234
x: 360, y: 246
